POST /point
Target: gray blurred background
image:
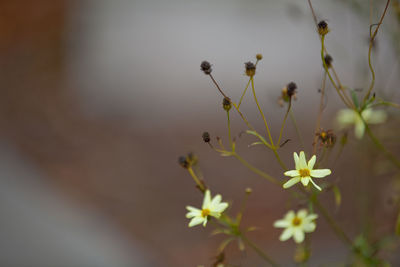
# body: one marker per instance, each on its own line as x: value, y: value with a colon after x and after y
x: 99, y: 98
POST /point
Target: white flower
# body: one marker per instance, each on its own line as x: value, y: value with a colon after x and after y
x: 304, y: 171
x: 211, y: 207
x: 296, y: 225
x: 347, y: 117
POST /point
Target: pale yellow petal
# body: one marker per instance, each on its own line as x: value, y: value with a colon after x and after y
x: 207, y: 199
x: 298, y: 236
x: 316, y: 186
x: 320, y: 173
x: 286, y: 234
x: 196, y: 221
x: 291, y: 182
x: 281, y: 224
x: 305, y: 180
x: 311, y: 162
x: 292, y: 173
x: 302, y: 160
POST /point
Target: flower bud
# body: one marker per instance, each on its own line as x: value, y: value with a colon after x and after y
x: 323, y: 27
x: 250, y: 68
x: 328, y: 61
x: 291, y: 89
x: 259, y: 56
x: 205, y: 66
x: 226, y: 103
x: 206, y: 137
x: 183, y: 162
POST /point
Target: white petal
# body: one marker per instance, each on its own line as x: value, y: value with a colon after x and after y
x: 311, y: 162
x: 193, y: 212
x: 220, y: 207
x: 320, y: 173
x: 309, y: 227
x: 376, y: 116
x: 291, y: 182
x: 292, y: 173
x: 302, y: 213
x: 298, y: 235
x: 281, y: 224
x: 196, y: 221
x: 346, y: 117
x: 289, y: 216
x: 207, y: 199
x: 296, y: 161
x: 215, y: 214
x: 216, y: 200
x: 359, y: 129
x: 286, y: 234
x: 302, y: 161
x: 312, y: 216
x: 316, y: 186
x: 305, y: 180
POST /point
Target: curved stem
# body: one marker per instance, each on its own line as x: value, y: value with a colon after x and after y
x: 371, y: 42
x: 257, y: 171
x: 296, y: 127
x: 244, y: 92
x: 261, y: 112
x: 283, y: 122
x: 196, y: 180
x: 321, y: 107
x: 229, y: 128
x: 261, y: 253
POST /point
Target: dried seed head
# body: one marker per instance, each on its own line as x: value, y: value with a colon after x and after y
x: 291, y: 89
x: 206, y: 137
x: 250, y: 68
x: 183, y: 162
x: 248, y: 190
x: 226, y: 103
x: 205, y: 66
x: 323, y: 27
x: 328, y: 61
x: 326, y: 138
x: 259, y: 56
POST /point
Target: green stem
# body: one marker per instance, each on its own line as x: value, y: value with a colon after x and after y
x: 380, y: 146
x: 261, y: 253
x: 283, y: 122
x: 244, y: 92
x: 296, y: 127
x: 196, y: 180
x: 229, y: 128
x: 261, y: 112
x: 257, y: 171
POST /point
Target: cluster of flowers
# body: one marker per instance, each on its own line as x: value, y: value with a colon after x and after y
x: 295, y: 224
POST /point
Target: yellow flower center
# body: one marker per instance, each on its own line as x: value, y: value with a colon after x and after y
x: 323, y: 135
x: 304, y: 172
x: 205, y: 213
x: 296, y: 221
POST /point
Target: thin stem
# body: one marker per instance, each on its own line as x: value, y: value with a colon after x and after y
x: 371, y: 42
x: 229, y: 128
x: 380, y: 146
x: 296, y: 127
x: 261, y: 112
x: 338, y: 90
x: 321, y: 109
x: 283, y: 122
x: 279, y: 159
x: 244, y: 92
x: 196, y: 180
x: 332, y: 223
x: 257, y: 171
x: 216, y: 84
x: 261, y: 253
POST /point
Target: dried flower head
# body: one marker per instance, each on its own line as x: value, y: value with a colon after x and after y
x: 291, y: 89
x: 323, y: 27
x: 226, y: 103
x: 326, y: 138
x: 328, y: 61
x: 250, y: 68
x: 183, y: 162
x: 259, y: 56
x: 205, y: 66
x: 206, y: 137
x: 288, y: 92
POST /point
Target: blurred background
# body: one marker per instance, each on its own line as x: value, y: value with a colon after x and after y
x: 99, y: 98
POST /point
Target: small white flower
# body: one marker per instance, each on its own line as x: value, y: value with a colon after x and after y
x: 304, y: 171
x: 347, y: 117
x: 296, y: 225
x: 211, y: 207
